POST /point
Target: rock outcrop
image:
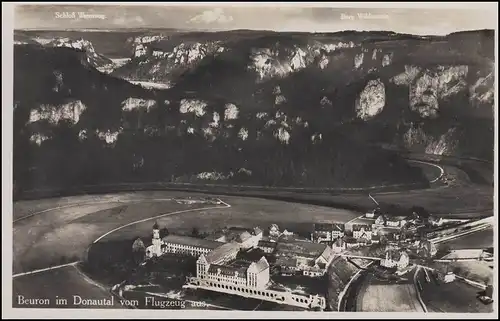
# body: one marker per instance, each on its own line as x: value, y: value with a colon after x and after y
x: 294, y: 109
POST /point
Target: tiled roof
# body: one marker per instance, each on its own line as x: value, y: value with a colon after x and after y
x: 191, y: 241
x: 327, y: 253
x: 286, y: 261
x: 358, y: 227
x: 216, y: 235
x: 263, y: 243
x: 322, y: 227
x: 338, y: 227
x: 259, y: 266
x: 227, y: 270
x: 257, y: 230
x: 300, y: 248
x: 222, y: 250
x: 327, y: 227
x: 389, y: 218
x: 243, y: 237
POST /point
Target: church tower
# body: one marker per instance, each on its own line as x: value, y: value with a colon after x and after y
x: 156, y: 250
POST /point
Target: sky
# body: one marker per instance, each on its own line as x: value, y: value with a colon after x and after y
x: 277, y: 17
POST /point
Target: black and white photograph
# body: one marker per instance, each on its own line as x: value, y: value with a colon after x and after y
x: 266, y: 159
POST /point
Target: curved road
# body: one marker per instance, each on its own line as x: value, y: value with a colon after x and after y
x: 65, y: 227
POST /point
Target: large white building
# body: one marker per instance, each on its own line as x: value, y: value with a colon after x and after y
x: 179, y: 244
x: 221, y: 271
x: 196, y: 246
x: 188, y: 245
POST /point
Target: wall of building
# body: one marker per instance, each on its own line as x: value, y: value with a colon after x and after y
x: 185, y: 249
x: 227, y: 279
x: 288, y: 298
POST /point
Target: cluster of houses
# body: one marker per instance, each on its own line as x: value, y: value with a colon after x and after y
x: 370, y: 228
x: 341, y: 236
x: 296, y: 255
x: 292, y: 254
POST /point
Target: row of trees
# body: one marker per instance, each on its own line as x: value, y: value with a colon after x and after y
x: 65, y: 161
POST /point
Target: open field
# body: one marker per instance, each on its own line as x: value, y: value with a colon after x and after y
x: 479, y: 240
x: 27, y: 207
x: 65, y: 234
x: 478, y: 271
x: 245, y: 213
x: 363, y: 221
x: 378, y: 296
x: 461, y: 201
x: 61, y: 283
x: 457, y: 297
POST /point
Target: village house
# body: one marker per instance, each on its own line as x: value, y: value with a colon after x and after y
x: 362, y: 232
x: 274, y: 230
x: 248, y: 238
x: 339, y: 245
x: 390, y: 221
x: 327, y: 232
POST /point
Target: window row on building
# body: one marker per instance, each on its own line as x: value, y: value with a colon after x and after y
x: 187, y: 249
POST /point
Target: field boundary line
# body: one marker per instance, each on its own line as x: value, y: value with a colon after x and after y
x: 87, y: 203
x: 160, y: 216
x: 46, y: 269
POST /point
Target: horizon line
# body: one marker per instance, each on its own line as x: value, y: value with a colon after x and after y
x: 124, y: 29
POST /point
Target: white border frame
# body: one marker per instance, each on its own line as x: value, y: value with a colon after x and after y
x: 7, y: 112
